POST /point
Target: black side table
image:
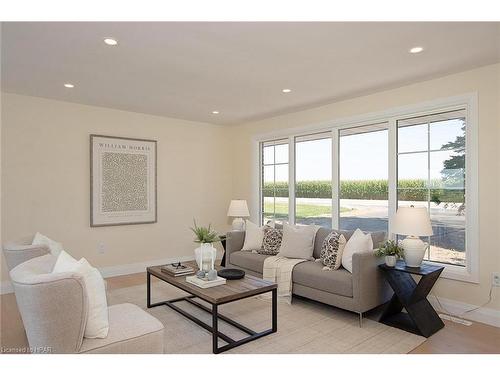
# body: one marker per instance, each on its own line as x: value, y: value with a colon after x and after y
x: 420, y: 318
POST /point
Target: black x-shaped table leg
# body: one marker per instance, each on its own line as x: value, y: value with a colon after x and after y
x: 420, y: 317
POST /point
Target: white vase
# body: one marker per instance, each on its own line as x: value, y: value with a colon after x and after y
x: 390, y: 260
x: 205, y: 256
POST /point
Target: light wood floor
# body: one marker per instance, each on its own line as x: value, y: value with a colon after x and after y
x: 454, y: 338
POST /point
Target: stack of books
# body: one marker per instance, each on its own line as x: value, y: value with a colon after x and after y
x: 177, y: 269
x: 205, y: 283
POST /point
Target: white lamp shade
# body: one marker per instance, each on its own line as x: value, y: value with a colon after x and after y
x: 238, y: 208
x: 412, y: 221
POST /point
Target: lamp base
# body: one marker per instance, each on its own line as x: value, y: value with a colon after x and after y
x: 238, y: 224
x: 414, y: 251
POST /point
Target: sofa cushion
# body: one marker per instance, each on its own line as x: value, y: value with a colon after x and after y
x: 250, y: 261
x: 131, y: 330
x: 311, y: 274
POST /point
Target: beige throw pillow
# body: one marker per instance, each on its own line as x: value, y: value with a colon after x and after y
x: 358, y: 243
x: 298, y: 241
x: 54, y: 246
x: 254, y: 235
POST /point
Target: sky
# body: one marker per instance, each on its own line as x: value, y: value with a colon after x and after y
x: 365, y: 156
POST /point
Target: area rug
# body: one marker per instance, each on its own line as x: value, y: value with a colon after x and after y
x: 303, y: 327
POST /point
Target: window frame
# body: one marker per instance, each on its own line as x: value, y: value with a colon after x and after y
x: 276, y: 142
x: 468, y: 102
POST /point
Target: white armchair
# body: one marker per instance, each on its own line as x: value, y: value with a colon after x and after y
x: 53, y: 308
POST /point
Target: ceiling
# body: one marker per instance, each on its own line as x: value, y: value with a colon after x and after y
x: 188, y: 70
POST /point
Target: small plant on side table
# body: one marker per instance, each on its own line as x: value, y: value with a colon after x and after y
x: 391, y: 250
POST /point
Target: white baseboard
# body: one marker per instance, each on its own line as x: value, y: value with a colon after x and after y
x: 483, y: 314
x: 127, y: 269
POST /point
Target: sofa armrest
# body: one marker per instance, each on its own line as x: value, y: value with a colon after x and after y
x: 370, y: 289
x: 234, y: 242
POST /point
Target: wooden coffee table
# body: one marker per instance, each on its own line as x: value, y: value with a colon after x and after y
x: 233, y: 290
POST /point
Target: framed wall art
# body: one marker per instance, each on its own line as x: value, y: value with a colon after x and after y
x: 122, y: 181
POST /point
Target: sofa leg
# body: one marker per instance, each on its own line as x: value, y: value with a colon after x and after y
x: 360, y: 319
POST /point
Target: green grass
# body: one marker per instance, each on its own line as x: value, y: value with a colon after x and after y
x: 302, y: 211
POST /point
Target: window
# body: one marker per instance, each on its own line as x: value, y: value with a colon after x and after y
x: 431, y: 173
x: 355, y: 174
x: 313, y: 179
x: 364, y: 178
x: 274, y: 183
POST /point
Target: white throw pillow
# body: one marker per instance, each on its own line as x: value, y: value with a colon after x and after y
x: 97, y: 325
x: 298, y: 241
x: 358, y: 243
x: 254, y: 235
x: 54, y: 247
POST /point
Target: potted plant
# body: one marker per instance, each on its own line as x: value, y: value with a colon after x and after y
x: 391, y: 250
x: 205, y: 254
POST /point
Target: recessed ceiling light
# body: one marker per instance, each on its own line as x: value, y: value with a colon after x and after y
x: 215, y: 112
x: 69, y: 85
x: 416, y: 49
x: 110, y: 41
x: 286, y: 90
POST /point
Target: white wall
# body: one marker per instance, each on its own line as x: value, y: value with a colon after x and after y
x: 46, y: 169
x: 486, y: 82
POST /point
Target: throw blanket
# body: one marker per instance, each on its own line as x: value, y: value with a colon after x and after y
x: 279, y: 270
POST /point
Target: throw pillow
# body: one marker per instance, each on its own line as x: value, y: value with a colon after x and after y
x: 272, y: 241
x: 97, y: 325
x: 298, y: 241
x: 254, y: 235
x: 358, y: 243
x: 332, y: 249
x: 54, y: 247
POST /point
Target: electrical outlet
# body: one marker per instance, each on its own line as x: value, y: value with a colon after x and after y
x: 101, y: 248
x: 495, y: 280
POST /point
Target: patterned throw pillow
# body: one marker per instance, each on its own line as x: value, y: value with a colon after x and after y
x: 272, y: 241
x: 331, y: 251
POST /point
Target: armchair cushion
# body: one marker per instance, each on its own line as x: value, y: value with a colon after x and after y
x: 131, y: 330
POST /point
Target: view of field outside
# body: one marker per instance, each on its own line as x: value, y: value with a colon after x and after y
x: 431, y: 173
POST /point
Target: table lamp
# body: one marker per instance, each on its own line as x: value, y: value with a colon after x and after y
x: 238, y: 209
x: 413, y: 222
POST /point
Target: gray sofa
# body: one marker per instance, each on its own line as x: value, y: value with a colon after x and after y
x: 53, y: 309
x: 359, y: 292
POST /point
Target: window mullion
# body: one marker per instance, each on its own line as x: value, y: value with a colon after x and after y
x: 393, y: 174
x: 335, y: 179
x: 291, y: 180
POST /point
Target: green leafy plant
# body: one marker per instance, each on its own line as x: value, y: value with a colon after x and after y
x: 408, y: 190
x: 204, y: 234
x: 389, y: 248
